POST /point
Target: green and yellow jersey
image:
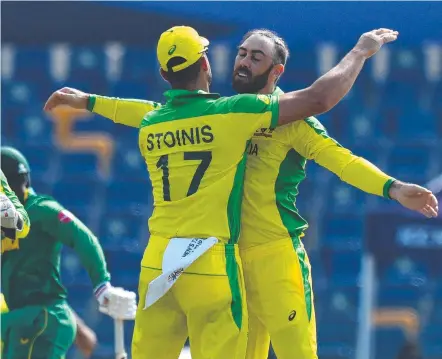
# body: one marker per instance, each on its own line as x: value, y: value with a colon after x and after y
x: 30, y: 274
x: 13, y: 242
x: 194, y: 147
x: 275, y: 167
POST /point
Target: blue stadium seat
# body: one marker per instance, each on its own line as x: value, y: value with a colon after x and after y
x: 432, y: 351
x: 335, y: 351
x: 95, y: 85
x: 128, y: 163
x: 78, y: 192
x: 130, y: 89
x: 400, y: 296
x: 435, y: 101
x: 94, y: 124
x: 345, y: 267
x: 140, y: 65
x: 123, y: 230
x: 407, y: 65
x: 79, y: 296
x: 328, y: 333
x: 18, y: 93
x: 41, y: 186
x: 41, y: 158
x: 32, y: 63
x: 410, y: 163
x: 388, y: 342
x: 337, y: 304
x: 105, y: 329
x: 431, y: 337
x: 130, y: 196
x: 124, y: 267
x: 406, y: 272
x: 417, y: 123
x: 343, y: 231
x: 88, y: 64
x: 401, y: 94
x: 78, y: 165
x: 33, y: 127
x: 436, y: 316
x: 319, y: 275
x: 344, y: 198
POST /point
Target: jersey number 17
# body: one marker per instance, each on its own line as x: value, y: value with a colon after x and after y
x: 163, y: 163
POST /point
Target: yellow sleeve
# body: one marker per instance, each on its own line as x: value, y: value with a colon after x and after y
x: 310, y: 139
x: 129, y: 112
x: 3, y: 305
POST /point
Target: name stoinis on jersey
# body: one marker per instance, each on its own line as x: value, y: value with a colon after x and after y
x: 181, y: 137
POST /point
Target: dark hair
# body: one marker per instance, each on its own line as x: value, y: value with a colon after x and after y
x: 183, y: 78
x: 281, y: 50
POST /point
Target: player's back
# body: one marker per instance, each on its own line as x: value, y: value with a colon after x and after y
x: 194, y: 147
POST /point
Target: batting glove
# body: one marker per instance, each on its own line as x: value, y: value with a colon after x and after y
x: 118, y: 303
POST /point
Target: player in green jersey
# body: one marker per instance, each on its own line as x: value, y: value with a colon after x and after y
x: 40, y: 323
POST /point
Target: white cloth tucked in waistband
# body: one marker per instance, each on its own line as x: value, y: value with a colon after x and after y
x: 179, y: 254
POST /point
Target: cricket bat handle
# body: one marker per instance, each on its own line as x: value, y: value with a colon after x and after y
x: 120, y: 352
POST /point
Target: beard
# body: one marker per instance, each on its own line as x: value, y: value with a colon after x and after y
x: 251, y: 84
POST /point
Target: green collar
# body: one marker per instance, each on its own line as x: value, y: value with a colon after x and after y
x: 185, y: 95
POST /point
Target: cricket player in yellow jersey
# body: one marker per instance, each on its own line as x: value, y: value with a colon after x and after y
x: 194, y: 148
x: 15, y: 225
x: 14, y: 218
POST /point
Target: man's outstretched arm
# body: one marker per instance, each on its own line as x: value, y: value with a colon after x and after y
x: 310, y: 139
x: 128, y: 112
x: 330, y: 88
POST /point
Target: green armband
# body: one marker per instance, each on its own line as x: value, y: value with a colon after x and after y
x: 387, y: 187
x: 91, y: 103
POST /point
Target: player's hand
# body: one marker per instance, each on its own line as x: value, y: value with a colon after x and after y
x: 67, y: 97
x: 371, y: 42
x: 415, y: 197
x: 118, y: 303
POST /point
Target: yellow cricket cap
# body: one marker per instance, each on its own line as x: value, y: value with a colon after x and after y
x: 180, y: 41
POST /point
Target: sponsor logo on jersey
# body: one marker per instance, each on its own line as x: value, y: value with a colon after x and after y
x: 22, y: 168
x: 292, y: 315
x: 264, y: 132
x: 65, y: 216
